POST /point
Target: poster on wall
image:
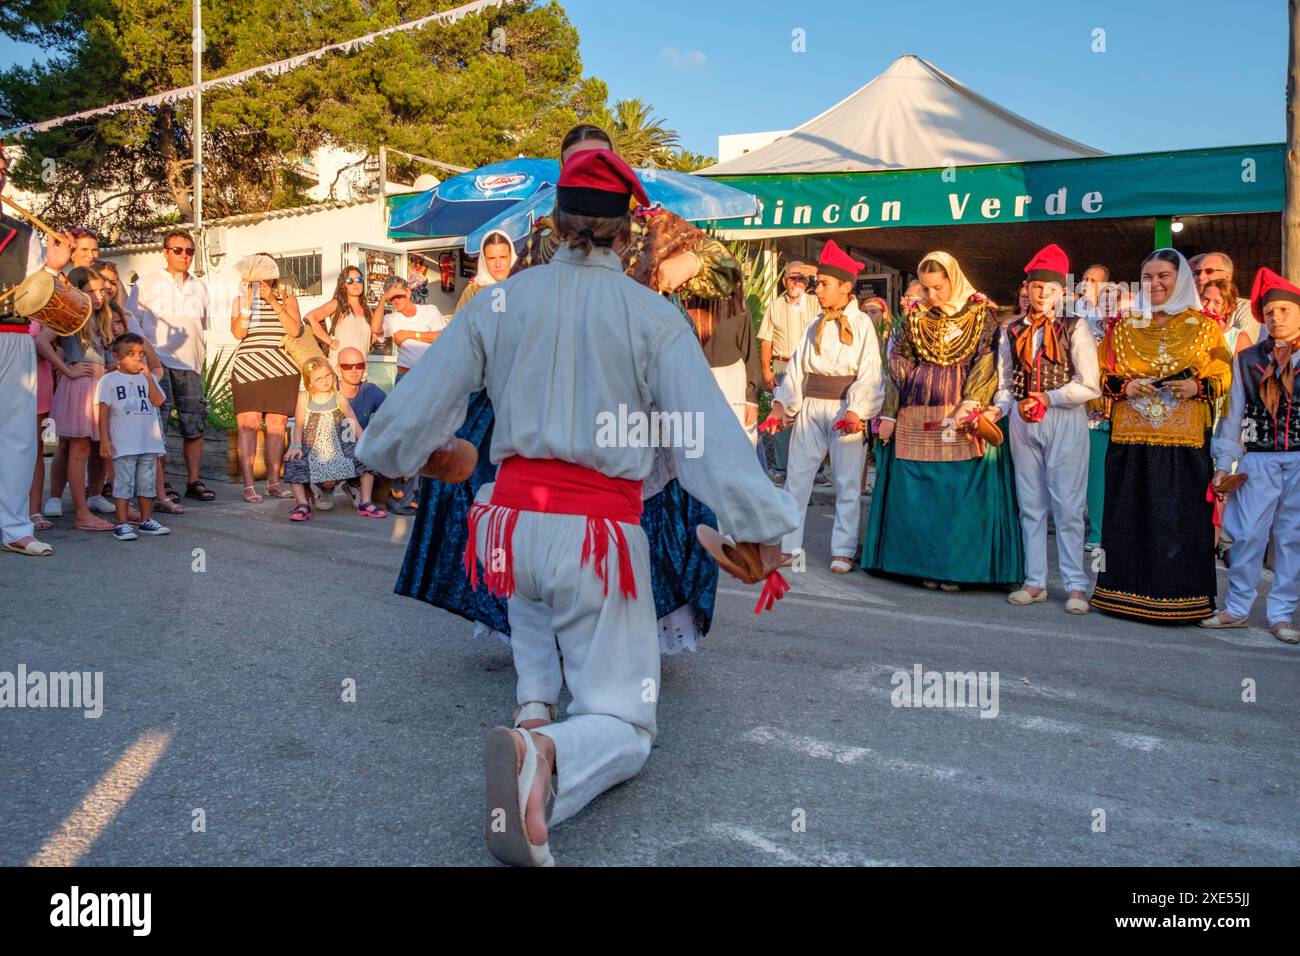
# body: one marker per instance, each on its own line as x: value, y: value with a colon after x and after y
x: 378, y: 267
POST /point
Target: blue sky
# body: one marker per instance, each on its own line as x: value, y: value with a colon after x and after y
x: 1177, y: 74
x: 1174, y: 75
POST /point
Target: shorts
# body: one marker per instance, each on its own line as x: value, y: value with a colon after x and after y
x: 183, y: 391
x: 135, y: 476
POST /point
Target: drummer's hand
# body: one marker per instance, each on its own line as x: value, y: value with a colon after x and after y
x: 59, y: 250
x: 992, y: 413
x: 1219, y: 475
x: 964, y: 410
x: 778, y: 410
x: 853, y: 424
x: 886, y: 430
x: 770, y: 554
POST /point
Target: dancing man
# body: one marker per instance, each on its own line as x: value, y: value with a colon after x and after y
x: 560, y: 537
x: 832, y: 387
x: 1049, y: 367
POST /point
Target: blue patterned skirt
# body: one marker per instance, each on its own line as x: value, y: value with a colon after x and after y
x: 681, y: 571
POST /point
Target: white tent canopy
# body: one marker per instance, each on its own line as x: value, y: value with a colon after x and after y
x: 912, y: 116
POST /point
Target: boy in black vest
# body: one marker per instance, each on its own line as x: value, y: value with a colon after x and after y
x: 1261, y: 433
x: 1048, y: 363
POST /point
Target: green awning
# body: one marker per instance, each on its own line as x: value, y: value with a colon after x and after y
x: 1236, y: 179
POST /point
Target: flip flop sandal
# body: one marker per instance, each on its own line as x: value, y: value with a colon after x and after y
x: 277, y: 489
x: 300, y: 513
x: 40, y: 522
x: 107, y: 527
x: 368, y: 510
x: 949, y: 587
x: 171, y: 494
x: 32, y: 549
x: 168, y: 507
x: 199, y: 491
x: 841, y: 566
x: 251, y: 495
x: 1285, y: 633
x: 508, y: 785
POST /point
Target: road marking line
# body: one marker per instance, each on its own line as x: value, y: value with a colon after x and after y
x: 870, y: 603
x: 820, y: 749
x: 757, y: 841
x: 862, y: 679
x: 101, y: 805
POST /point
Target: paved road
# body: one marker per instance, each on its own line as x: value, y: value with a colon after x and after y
x: 233, y: 707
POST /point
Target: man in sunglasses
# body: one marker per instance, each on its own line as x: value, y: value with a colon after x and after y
x: 365, y: 399
x: 172, y: 306
x: 784, y: 324
x: 1209, y: 266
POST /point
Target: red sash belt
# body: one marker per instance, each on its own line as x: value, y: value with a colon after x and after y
x: 550, y: 486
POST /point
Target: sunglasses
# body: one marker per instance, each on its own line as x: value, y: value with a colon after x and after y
x: 351, y: 367
x: 355, y: 280
x: 181, y: 250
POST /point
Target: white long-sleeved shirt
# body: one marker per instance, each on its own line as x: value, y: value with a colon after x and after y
x: 860, y: 358
x: 568, y: 352
x: 1227, y: 446
x: 1084, y: 385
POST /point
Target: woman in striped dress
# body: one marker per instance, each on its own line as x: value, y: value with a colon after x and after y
x: 263, y: 378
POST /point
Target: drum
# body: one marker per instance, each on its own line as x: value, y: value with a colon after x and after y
x: 53, y: 302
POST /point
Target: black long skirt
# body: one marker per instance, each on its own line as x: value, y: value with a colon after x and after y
x: 1157, y: 537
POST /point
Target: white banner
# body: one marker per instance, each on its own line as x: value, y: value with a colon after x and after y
x: 235, y: 79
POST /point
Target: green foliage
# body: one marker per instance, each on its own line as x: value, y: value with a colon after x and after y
x: 501, y: 83
x: 216, y: 389
x: 684, y: 161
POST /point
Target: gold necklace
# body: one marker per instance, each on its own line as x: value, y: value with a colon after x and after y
x: 1176, y: 345
x: 946, y: 340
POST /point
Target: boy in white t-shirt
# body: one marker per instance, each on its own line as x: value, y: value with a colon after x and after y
x: 130, y: 435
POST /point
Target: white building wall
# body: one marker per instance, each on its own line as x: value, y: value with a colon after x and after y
x: 738, y: 144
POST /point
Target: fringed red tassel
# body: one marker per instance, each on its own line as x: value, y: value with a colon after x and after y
x: 595, y: 546
x: 773, y: 591
x: 471, y: 555
x: 626, y: 579
x: 500, y: 539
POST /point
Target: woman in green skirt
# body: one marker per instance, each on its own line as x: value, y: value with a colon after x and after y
x: 944, y: 506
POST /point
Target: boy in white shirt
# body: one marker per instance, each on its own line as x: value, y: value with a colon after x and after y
x: 130, y: 435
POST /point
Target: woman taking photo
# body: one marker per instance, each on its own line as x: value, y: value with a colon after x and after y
x: 352, y: 323
x: 944, y: 506
x: 263, y: 378
x: 1164, y: 365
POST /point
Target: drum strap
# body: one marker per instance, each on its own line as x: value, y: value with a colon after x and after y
x: 8, y: 239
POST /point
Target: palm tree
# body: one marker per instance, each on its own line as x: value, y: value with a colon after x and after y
x: 684, y: 161
x: 638, y: 136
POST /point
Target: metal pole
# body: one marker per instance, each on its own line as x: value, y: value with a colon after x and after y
x: 196, y: 137
x: 1291, y: 170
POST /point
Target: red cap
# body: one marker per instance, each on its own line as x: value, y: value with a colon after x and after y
x: 838, y: 263
x: 597, y: 182
x: 1050, y: 264
x: 1270, y: 287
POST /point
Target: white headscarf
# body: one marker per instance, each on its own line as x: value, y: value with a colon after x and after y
x: 483, y: 278
x: 961, y: 287
x: 258, y: 266
x: 1184, y: 296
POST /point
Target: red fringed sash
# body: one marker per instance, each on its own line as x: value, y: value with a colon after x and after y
x: 554, y: 487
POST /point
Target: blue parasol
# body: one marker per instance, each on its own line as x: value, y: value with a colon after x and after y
x: 465, y: 202
x: 694, y: 198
